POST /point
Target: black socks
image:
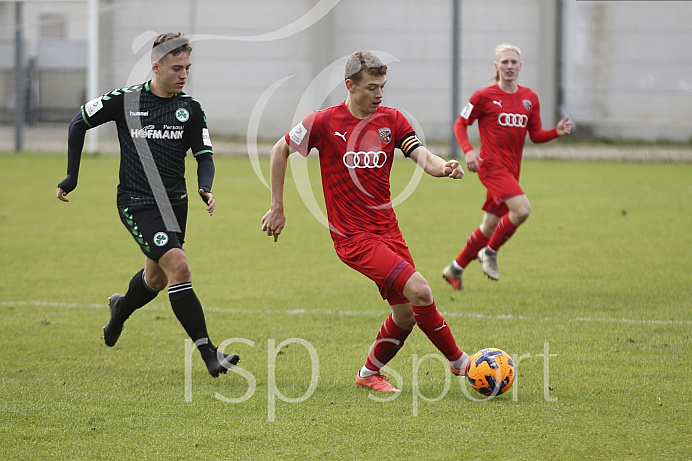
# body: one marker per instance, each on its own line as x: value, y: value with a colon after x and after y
x: 188, y: 309
x: 138, y: 294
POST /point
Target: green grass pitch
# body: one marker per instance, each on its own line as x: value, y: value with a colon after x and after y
x: 594, y: 305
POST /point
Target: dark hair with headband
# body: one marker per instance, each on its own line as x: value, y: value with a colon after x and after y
x: 170, y: 43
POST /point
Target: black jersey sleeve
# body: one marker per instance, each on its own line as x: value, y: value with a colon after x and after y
x: 75, y: 143
x: 96, y: 112
x: 199, y: 139
x: 205, y: 171
x: 103, y: 109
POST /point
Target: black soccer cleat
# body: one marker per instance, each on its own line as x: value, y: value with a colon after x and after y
x: 112, y: 329
x: 219, y: 363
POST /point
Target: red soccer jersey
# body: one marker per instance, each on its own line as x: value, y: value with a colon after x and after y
x: 355, y: 161
x: 503, y: 121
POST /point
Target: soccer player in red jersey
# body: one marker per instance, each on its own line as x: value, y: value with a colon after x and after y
x: 356, y: 141
x: 505, y: 112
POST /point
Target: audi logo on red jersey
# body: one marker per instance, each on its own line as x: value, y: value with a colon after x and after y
x: 514, y: 120
x: 362, y: 159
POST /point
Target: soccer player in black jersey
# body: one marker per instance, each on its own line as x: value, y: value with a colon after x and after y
x: 157, y: 124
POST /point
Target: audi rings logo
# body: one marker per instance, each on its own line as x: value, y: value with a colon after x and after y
x: 362, y: 159
x: 515, y: 120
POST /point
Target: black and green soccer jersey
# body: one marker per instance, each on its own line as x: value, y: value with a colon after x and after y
x: 164, y: 128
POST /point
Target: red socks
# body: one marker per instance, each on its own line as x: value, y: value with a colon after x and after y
x: 503, y: 231
x: 477, y: 241
x: 435, y: 328
x: 391, y: 337
x: 389, y: 340
x: 474, y: 244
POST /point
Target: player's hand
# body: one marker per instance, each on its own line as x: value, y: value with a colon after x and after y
x: 564, y: 126
x: 208, y: 198
x: 273, y: 223
x: 472, y: 161
x: 453, y: 169
x: 62, y: 195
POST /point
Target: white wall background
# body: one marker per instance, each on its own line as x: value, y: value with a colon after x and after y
x: 622, y: 66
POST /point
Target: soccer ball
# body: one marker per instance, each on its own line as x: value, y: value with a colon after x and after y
x: 491, y: 371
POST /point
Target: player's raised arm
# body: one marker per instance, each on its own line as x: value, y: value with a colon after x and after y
x: 564, y: 127
x: 274, y: 220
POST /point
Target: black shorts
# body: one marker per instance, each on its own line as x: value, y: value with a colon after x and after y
x: 146, y: 226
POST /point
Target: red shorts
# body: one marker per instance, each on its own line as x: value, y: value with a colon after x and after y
x: 384, y: 260
x: 501, y: 185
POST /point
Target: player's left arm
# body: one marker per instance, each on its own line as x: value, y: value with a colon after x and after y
x: 200, y: 143
x: 536, y: 132
x: 563, y: 128
x: 205, y: 178
x: 432, y: 164
x: 435, y: 165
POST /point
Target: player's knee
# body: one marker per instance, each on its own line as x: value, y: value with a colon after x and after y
x: 182, y: 271
x: 158, y: 282
x: 487, y: 229
x: 178, y: 271
x: 405, y: 319
x: 521, y: 214
x: 420, y: 293
x: 489, y: 224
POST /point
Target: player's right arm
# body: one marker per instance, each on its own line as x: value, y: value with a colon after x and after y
x: 274, y: 220
x: 298, y: 139
x: 94, y: 113
x: 467, y: 116
x: 75, y: 144
x: 461, y: 133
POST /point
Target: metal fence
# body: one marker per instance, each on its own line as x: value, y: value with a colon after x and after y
x: 617, y: 68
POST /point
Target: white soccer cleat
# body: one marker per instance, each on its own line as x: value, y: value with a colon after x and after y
x: 488, y: 259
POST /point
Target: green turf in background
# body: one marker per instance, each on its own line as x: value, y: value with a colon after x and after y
x: 598, y: 277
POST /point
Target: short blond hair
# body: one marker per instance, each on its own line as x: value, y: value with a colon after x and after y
x: 499, y: 49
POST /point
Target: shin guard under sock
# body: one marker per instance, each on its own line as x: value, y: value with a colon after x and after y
x: 139, y: 293
x: 474, y: 244
x: 188, y: 310
x: 503, y: 232
x: 435, y: 328
x: 389, y: 340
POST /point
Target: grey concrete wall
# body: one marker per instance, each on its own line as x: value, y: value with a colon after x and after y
x: 263, y: 64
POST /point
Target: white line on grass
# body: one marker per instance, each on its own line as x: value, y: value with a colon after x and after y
x: 349, y: 313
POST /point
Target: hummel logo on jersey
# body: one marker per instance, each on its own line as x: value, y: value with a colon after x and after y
x: 342, y: 136
x: 139, y: 113
x: 499, y: 103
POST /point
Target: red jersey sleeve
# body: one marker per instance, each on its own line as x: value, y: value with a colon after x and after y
x: 406, y: 140
x: 468, y: 115
x: 536, y: 132
x: 462, y: 135
x: 300, y: 136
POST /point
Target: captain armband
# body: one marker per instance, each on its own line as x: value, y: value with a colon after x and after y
x: 409, y: 144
